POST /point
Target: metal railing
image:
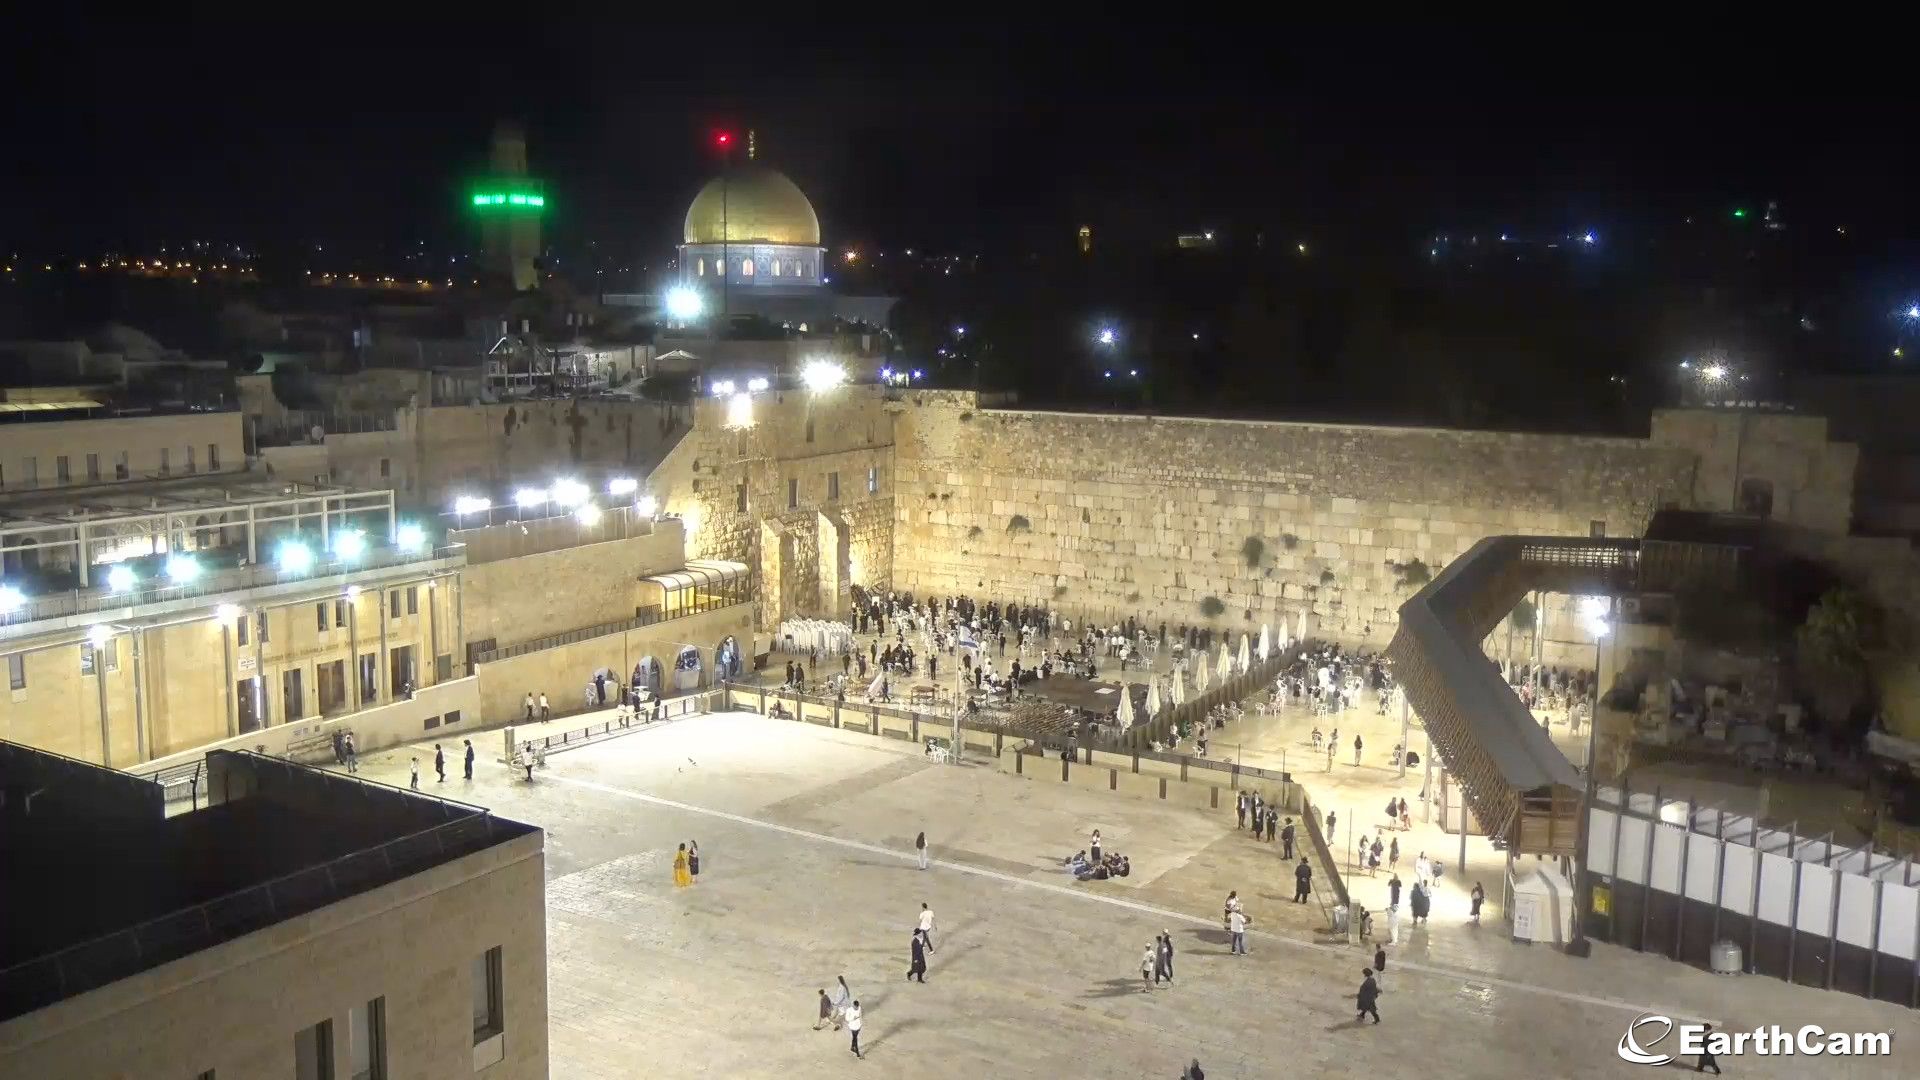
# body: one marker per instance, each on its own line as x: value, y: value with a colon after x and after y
x: 213, y: 582
x: 670, y: 709
x: 648, y: 616
x: 94, y: 963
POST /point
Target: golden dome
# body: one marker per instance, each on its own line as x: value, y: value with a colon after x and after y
x: 760, y: 205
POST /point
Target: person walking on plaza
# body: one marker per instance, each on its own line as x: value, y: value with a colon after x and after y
x: 681, y: 879
x: 1302, y: 881
x: 440, y: 762
x: 1332, y: 818
x: 1393, y: 854
x: 546, y: 713
x: 1286, y: 841
x: 1147, y: 958
x: 529, y: 706
x: 854, y: 1020
x: 925, y: 927
x: 1380, y: 968
x: 1707, y: 1060
x: 826, y: 1011
x: 1368, y: 998
x: 1259, y: 811
x: 1166, y: 953
x: 415, y: 779
x: 1356, y: 749
x: 353, y: 753
x: 917, y: 966
x: 1478, y: 896
x: 469, y: 743
x: 1332, y: 748
x: 1422, y: 867
x: 1093, y: 848
x: 1394, y: 885
x: 920, y: 849
x: 1273, y: 820
x: 693, y: 862
x: 1240, y: 810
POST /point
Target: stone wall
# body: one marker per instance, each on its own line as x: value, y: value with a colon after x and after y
x: 1106, y: 516
x: 756, y: 492
x: 514, y: 600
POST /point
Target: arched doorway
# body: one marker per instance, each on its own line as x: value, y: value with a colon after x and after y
x: 648, y: 675
x: 686, y: 669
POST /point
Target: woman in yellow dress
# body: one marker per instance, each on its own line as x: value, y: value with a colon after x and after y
x: 680, y: 875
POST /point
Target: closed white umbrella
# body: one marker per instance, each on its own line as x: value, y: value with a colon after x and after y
x: 1245, y: 658
x: 1153, y: 696
x: 1179, y: 689
x: 1223, y: 664
x: 1300, y: 628
x: 1266, y: 642
x: 1124, y: 715
x: 1202, y: 678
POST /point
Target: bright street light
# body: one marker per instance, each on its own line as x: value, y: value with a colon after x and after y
x: 293, y: 557
x: 570, y: 493
x: 740, y: 411
x: 1714, y: 372
x: 227, y: 612
x: 622, y: 485
x: 648, y: 504
x: 11, y: 599
x: 820, y: 375
x: 684, y: 303
x: 120, y: 579
x: 723, y: 388
x: 1913, y: 312
x: 410, y: 537
x: 1106, y: 336
x: 588, y: 514
x: 181, y: 570
x: 349, y: 544
x: 471, y: 504
x: 526, y: 497
x: 959, y: 331
x: 99, y: 634
x: 757, y: 384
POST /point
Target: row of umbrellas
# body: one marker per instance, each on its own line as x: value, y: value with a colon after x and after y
x: 1225, y: 665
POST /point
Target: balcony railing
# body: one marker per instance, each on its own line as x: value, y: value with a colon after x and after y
x: 648, y: 616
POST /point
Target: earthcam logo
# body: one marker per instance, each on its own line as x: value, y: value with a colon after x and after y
x: 1647, y: 1035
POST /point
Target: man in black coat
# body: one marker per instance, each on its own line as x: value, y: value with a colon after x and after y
x: 1166, y: 955
x: 1286, y: 841
x: 1302, y: 881
x: 1368, y: 999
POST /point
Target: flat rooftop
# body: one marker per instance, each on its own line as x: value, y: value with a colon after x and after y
x: 199, y: 493
x: 101, y: 884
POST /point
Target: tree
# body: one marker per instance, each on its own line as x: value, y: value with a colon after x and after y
x: 1842, y: 634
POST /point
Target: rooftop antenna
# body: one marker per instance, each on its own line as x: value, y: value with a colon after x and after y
x: 750, y: 146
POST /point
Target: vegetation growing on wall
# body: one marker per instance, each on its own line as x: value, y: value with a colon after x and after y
x: 1836, y: 645
x: 1253, y: 550
x: 1059, y: 591
x: 1522, y: 618
x: 1018, y: 523
x: 1289, y: 541
x: 1211, y: 607
x: 1411, y: 574
x: 1327, y: 578
x: 973, y: 532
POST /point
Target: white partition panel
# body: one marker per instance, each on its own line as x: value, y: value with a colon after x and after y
x: 1630, y: 861
x: 1736, y: 886
x: 1667, y: 841
x: 1899, y: 907
x: 1701, y: 867
x: 1856, y: 909
x: 1776, y: 889
x: 1816, y: 899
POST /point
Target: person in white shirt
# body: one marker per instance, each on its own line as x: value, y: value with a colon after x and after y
x: 926, y: 925
x: 1237, y: 926
x: 853, y: 1025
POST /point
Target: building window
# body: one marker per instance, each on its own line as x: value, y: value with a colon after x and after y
x: 489, y: 1011
x: 700, y: 267
x: 189, y: 460
x: 833, y: 487
x: 213, y: 457
x: 93, y: 466
x: 809, y: 429
x: 740, y: 497
x: 339, y: 613
x: 30, y: 471
x: 17, y: 671
x: 120, y: 469
x: 86, y: 660
x: 240, y: 629
x: 746, y: 267
x: 263, y: 629
x: 413, y: 599
x: 793, y: 492
x: 320, y: 615
x: 108, y: 655
x: 166, y: 461
x: 313, y: 1052
x: 61, y: 470
x: 393, y: 604
x: 367, y: 1041
x: 873, y: 481
x: 1597, y: 529
x: 386, y: 468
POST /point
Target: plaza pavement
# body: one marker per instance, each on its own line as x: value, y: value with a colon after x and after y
x: 806, y: 836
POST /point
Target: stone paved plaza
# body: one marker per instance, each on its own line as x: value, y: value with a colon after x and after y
x: 806, y: 837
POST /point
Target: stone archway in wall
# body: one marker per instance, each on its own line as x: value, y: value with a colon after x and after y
x: 835, y: 574
x: 775, y: 551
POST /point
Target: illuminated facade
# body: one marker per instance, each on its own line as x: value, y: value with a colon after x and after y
x: 752, y: 247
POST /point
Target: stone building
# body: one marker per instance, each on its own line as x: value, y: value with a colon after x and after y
x: 297, y: 924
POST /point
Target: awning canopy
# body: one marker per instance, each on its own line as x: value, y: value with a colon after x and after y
x: 701, y: 574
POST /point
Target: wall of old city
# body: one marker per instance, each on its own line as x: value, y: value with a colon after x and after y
x: 36, y: 456
x: 1106, y: 516
x: 514, y: 600
x: 799, y: 487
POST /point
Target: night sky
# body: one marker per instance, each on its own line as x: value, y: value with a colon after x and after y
x: 357, y: 131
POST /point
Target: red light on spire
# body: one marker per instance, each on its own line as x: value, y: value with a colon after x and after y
x: 725, y: 138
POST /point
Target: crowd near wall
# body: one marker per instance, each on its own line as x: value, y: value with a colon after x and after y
x: 1116, y: 515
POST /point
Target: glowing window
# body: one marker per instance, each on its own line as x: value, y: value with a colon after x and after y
x: 776, y: 268
x: 746, y: 267
x: 700, y: 267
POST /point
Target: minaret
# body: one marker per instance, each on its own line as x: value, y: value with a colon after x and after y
x: 509, y: 204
